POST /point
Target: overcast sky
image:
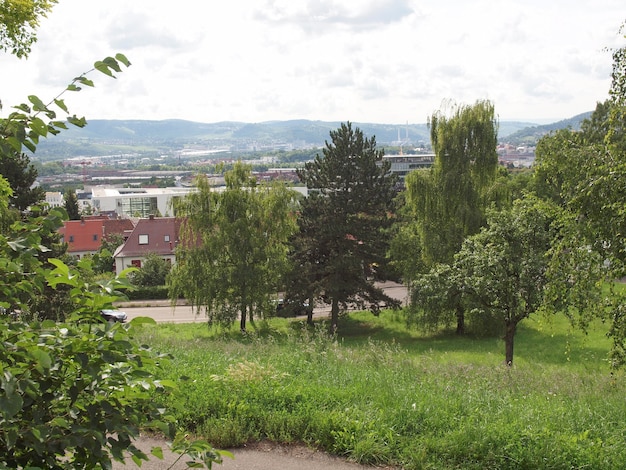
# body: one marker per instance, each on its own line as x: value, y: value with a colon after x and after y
x: 381, y: 61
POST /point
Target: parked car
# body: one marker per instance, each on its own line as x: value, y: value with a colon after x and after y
x: 291, y: 308
x: 114, y: 315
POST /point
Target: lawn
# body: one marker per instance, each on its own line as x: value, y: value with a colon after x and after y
x: 381, y: 394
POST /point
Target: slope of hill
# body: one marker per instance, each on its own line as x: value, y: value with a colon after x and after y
x: 531, y: 134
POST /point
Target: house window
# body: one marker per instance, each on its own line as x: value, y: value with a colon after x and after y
x: 71, y: 238
x: 95, y: 237
x: 136, y: 263
x: 143, y: 239
x: 166, y: 238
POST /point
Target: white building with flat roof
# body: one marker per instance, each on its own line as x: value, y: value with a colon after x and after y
x: 136, y: 202
x: 55, y: 199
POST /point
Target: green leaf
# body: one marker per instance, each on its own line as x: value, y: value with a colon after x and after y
x: 85, y: 81
x: 16, y: 144
x: 43, y: 359
x: 39, y: 126
x: 61, y: 104
x: 122, y: 58
x: 30, y: 146
x: 112, y: 63
x: 10, y: 405
x: 157, y: 452
x: 72, y: 87
x: 78, y: 122
x: 103, y: 68
x: 37, y: 103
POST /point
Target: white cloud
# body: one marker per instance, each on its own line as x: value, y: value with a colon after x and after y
x: 360, y: 60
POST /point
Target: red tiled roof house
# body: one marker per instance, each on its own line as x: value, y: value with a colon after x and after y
x: 155, y: 235
x: 84, y: 237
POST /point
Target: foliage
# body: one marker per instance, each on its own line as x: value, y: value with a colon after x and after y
x: 447, y: 203
x: 341, y: 249
x: 35, y: 120
x: 585, y: 174
x: 73, y: 395
x: 71, y: 205
x: 502, y: 269
x: 233, y: 246
x: 153, y: 272
x: 21, y: 175
x: 449, y: 200
x: 18, y: 21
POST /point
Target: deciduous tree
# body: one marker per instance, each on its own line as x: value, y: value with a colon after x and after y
x: 19, y: 20
x: 448, y: 201
x: 502, y: 269
x: 233, y: 246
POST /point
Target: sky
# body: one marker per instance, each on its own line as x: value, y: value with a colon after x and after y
x: 367, y: 61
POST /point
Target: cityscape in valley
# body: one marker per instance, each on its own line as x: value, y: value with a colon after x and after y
x: 171, y: 153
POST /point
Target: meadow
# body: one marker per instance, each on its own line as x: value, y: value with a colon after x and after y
x: 384, y: 395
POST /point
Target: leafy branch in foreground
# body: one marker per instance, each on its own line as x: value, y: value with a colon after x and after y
x: 34, y: 120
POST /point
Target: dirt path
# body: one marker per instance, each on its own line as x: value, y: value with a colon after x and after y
x: 259, y: 456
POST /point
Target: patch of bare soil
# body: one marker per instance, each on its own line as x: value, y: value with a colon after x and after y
x: 253, y: 456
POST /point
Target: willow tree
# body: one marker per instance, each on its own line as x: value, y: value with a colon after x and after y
x: 448, y: 201
x: 233, y: 246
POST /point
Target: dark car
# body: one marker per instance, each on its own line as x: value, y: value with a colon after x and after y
x: 291, y: 308
x: 114, y: 315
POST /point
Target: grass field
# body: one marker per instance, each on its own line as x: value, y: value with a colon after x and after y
x: 383, y: 395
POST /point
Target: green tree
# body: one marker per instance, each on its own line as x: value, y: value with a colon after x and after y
x: 21, y: 175
x: 233, y: 246
x: 153, y: 272
x: 19, y: 20
x: 448, y: 201
x: 350, y: 204
x: 71, y: 205
x: 586, y: 176
x: 501, y: 270
x: 103, y: 261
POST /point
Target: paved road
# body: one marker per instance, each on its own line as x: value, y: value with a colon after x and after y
x: 162, y: 312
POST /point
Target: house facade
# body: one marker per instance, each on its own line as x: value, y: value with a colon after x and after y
x: 154, y: 235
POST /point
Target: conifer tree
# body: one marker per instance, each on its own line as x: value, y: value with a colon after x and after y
x: 342, y: 247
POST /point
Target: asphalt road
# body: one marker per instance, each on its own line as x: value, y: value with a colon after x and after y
x: 163, y: 312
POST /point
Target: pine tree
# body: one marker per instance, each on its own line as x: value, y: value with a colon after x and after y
x: 341, y: 246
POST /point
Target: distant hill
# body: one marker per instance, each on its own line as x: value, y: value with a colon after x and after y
x: 531, y: 135
x: 104, y: 137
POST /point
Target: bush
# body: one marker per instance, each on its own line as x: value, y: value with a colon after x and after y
x: 74, y: 395
x: 149, y: 293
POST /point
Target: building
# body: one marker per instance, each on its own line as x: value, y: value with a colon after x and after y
x: 402, y: 165
x: 136, y: 202
x: 154, y: 235
x: 84, y: 237
x: 55, y: 199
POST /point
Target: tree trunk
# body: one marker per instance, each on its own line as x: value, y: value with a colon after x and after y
x: 460, y: 320
x: 509, y: 338
x: 251, y: 313
x: 334, y: 317
x: 242, y: 319
x: 309, y: 312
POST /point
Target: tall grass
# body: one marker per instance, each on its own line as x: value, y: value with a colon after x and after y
x: 382, y: 394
